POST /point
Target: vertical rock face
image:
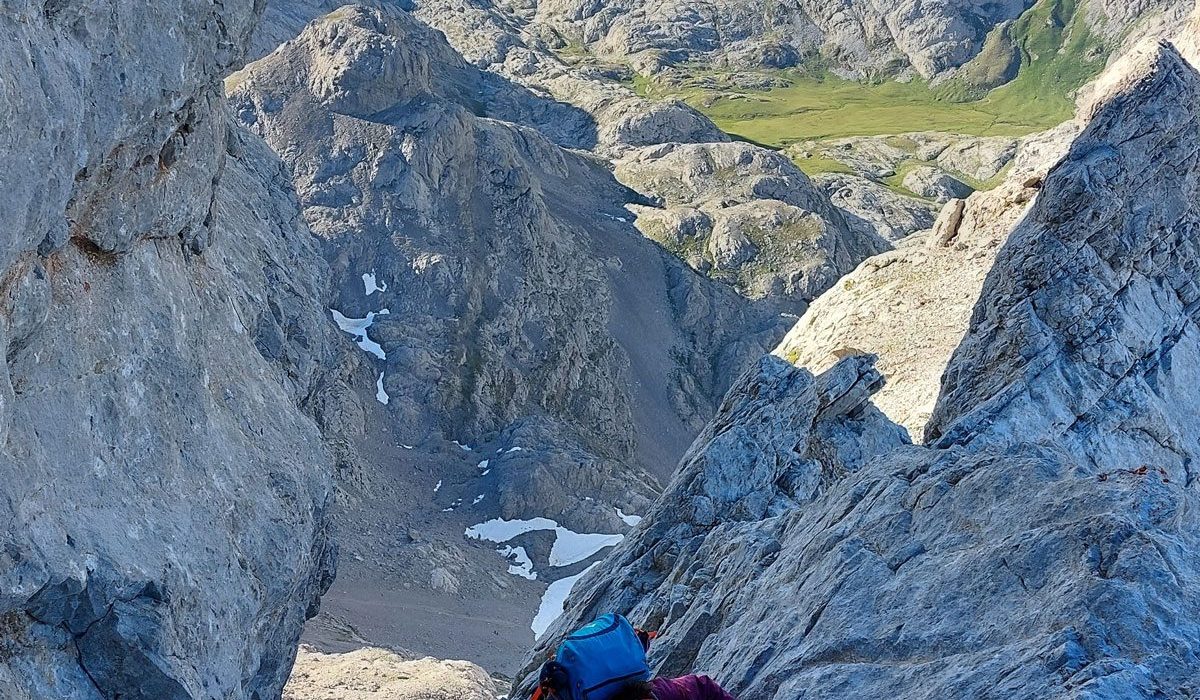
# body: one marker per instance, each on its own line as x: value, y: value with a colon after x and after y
x: 1041, y: 546
x: 1091, y: 320
x: 163, y: 499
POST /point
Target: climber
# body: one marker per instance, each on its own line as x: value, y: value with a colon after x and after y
x: 683, y: 688
x: 606, y: 660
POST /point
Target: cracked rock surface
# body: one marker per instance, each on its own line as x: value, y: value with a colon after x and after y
x: 164, y: 498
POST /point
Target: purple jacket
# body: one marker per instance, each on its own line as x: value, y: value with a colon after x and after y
x: 688, y: 688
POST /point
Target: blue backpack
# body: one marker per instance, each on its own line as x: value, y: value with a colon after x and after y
x: 595, y: 661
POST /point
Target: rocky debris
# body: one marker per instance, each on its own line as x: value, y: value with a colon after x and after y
x: 934, y: 184
x: 875, y: 209
x: 165, y: 500
x: 371, y: 673
x: 1049, y: 523
x: 747, y: 216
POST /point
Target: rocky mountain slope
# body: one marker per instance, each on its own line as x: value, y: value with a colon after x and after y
x: 527, y: 355
x: 165, y: 498
x: 1039, y: 546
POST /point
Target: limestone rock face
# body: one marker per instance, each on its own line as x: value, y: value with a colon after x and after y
x: 1048, y: 527
x: 872, y: 208
x: 164, y: 500
x: 1099, y: 332
x: 747, y: 216
x: 934, y: 184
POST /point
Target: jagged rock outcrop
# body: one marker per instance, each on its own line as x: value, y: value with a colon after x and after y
x: 164, y: 500
x: 911, y: 306
x: 1041, y: 546
x: 1099, y: 332
x: 745, y: 215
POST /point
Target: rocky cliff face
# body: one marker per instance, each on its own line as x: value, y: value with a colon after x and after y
x: 164, y: 499
x: 1040, y: 546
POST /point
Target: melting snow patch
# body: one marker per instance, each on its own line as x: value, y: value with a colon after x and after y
x: 438, y: 487
x: 357, y: 327
x: 514, y: 449
x: 380, y: 394
x: 572, y: 547
x: 407, y: 447
x: 486, y: 472
x: 464, y: 447
x: 370, y: 286
x: 477, y: 499
x: 569, y: 547
x: 522, y: 565
x: 630, y: 520
x: 553, y: 602
x: 501, y: 530
x: 483, y: 465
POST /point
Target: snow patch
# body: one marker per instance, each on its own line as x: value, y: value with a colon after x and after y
x: 357, y: 327
x: 381, y: 395
x: 438, y: 486
x: 500, y: 530
x: 370, y: 286
x: 630, y: 520
x: 569, y: 547
x: 522, y: 565
x: 554, y: 600
x: 464, y: 447
x: 514, y: 449
x: 478, y: 498
x: 573, y: 547
x: 483, y: 465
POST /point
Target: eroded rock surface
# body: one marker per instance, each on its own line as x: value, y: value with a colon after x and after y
x: 165, y: 501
